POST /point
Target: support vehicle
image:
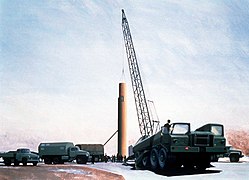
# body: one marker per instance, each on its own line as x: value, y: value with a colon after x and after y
x: 22, y: 155
x: 60, y: 152
x: 233, y: 154
x: 95, y: 150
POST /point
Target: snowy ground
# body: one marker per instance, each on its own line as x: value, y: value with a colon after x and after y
x: 226, y: 159
x: 221, y: 170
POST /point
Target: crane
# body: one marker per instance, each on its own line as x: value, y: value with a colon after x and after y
x: 144, y: 120
x: 166, y: 148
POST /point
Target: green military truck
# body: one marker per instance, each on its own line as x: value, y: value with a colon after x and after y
x: 60, y: 152
x: 233, y: 154
x: 95, y: 150
x: 180, y: 146
x: 21, y: 155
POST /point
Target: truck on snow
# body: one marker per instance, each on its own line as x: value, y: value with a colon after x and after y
x: 95, y: 150
x: 233, y: 154
x: 181, y: 147
x: 22, y: 155
x: 60, y: 152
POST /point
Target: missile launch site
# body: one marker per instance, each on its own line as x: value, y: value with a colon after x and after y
x: 73, y: 143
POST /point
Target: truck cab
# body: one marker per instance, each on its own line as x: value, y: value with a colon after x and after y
x: 26, y: 156
x: 217, y: 138
x: 233, y: 154
x: 179, y: 146
x: 96, y: 151
x: 75, y: 151
x: 22, y: 155
x: 60, y: 152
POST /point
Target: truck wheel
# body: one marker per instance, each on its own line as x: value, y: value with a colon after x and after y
x: 47, y: 160
x: 138, y: 160
x: 7, y: 162
x: 162, y: 158
x: 81, y: 160
x: 24, y: 161
x: 35, y: 163
x: 56, y: 160
x: 154, y: 159
x: 146, y: 161
x: 16, y: 163
x: 234, y: 158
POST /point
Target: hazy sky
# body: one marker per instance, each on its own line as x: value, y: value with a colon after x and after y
x: 61, y: 62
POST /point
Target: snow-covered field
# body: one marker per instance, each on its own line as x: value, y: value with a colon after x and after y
x: 221, y: 170
x: 243, y: 159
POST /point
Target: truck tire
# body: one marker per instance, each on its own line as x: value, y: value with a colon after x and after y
x: 47, y: 160
x: 24, y: 161
x: 146, y: 161
x: 7, y: 162
x: 138, y: 160
x: 234, y: 157
x: 56, y: 160
x: 154, y: 159
x: 16, y: 163
x: 35, y: 163
x: 81, y: 159
x: 162, y: 158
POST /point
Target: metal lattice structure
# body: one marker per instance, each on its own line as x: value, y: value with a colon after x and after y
x: 155, y: 120
x: 145, y: 124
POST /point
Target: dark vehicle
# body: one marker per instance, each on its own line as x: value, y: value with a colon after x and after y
x: 60, y: 152
x: 180, y: 146
x: 233, y: 154
x: 21, y: 155
x: 94, y: 149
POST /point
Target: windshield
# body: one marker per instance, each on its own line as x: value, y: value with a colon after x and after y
x: 180, y: 129
x: 217, y: 130
x: 23, y: 150
x: 74, y: 149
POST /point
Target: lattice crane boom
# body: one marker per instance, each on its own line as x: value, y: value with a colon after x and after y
x: 145, y: 124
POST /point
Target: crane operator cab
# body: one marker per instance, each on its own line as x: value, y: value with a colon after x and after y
x: 177, y: 128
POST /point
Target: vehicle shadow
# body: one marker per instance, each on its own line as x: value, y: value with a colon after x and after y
x: 183, y: 171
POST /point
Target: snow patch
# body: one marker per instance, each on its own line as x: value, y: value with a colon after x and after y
x: 226, y: 159
x: 9, y: 167
x: 72, y: 171
x: 244, y: 159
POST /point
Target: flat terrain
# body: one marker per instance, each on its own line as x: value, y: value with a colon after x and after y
x: 54, y: 172
x: 221, y: 170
